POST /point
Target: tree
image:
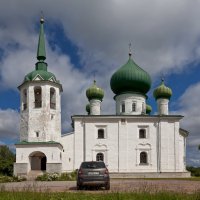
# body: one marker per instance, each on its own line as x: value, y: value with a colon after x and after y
x: 7, y: 159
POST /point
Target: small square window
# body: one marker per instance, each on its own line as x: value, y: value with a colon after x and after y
x: 142, y: 134
x: 101, y: 134
x: 37, y: 134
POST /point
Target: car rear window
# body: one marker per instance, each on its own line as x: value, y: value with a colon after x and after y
x: 93, y: 165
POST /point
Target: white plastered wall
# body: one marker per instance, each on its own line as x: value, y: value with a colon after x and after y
x: 44, y: 120
x: 128, y: 100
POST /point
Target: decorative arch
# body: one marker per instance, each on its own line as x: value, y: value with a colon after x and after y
x: 100, y: 152
x: 38, y: 161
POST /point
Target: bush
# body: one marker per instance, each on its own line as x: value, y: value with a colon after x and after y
x: 7, y: 159
x: 4, y: 179
x: 57, y: 177
x: 195, y: 171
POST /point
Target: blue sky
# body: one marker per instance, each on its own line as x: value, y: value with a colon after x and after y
x: 90, y: 37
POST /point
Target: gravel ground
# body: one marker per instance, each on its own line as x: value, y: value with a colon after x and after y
x: 128, y: 185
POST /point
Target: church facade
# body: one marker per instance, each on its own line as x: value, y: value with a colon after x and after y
x: 131, y: 142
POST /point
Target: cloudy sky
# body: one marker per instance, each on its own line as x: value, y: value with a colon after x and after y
x: 87, y: 37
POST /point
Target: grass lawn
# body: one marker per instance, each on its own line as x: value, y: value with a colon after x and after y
x: 95, y: 196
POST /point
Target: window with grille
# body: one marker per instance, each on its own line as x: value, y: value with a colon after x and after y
x: 143, y: 158
x: 100, y: 157
x: 133, y: 107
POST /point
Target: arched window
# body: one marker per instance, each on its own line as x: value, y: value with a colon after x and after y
x: 101, y: 134
x: 100, y: 157
x: 38, y: 97
x: 52, y: 98
x: 123, y: 107
x: 24, y: 99
x: 133, y: 107
x: 142, y: 133
x: 143, y: 158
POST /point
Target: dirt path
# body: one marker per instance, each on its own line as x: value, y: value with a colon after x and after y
x: 183, y: 186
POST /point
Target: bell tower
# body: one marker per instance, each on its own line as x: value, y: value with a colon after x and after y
x: 40, y: 107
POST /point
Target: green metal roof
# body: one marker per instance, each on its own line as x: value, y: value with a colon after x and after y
x: 27, y: 143
x: 94, y: 92
x: 41, y: 66
x: 130, y: 78
x: 41, y: 52
x: 162, y: 91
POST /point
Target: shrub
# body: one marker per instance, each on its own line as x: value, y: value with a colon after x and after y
x: 57, y: 177
x: 7, y: 158
x: 4, y: 179
x: 195, y: 171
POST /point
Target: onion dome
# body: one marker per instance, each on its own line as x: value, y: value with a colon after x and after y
x: 162, y: 91
x: 130, y: 78
x: 94, y: 92
x: 148, y: 109
x: 87, y: 108
x: 40, y: 72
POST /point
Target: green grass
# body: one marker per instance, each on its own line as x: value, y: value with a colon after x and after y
x: 96, y: 196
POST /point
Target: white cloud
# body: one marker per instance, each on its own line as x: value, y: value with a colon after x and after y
x: 9, y: 124
x: 189, y: 106
x: 165, y: 35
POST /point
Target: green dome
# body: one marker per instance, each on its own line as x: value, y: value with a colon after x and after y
x: 42, y: 73
x: 148, y: 109
x: 94, y: 92
x: 130, y: 78
x: 87, y: 108
x: 162, y: 91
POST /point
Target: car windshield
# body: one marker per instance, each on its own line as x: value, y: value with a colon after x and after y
x: 93, y: 165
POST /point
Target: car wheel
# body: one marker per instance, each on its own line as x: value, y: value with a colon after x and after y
x: 107, y: 186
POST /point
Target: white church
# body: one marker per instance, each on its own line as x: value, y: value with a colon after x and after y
x: 132, y: 142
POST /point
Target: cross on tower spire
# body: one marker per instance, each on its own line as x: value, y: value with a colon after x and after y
x: 130, y: 53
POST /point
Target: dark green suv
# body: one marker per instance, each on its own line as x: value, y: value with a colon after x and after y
x: 93, y: 173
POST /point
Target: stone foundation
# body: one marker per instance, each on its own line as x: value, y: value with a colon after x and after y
x: 151, y: 175
x: 20, y: 169
x: 54, y: 168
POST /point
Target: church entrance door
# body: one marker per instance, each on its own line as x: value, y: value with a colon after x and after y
x: 38, y: 161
